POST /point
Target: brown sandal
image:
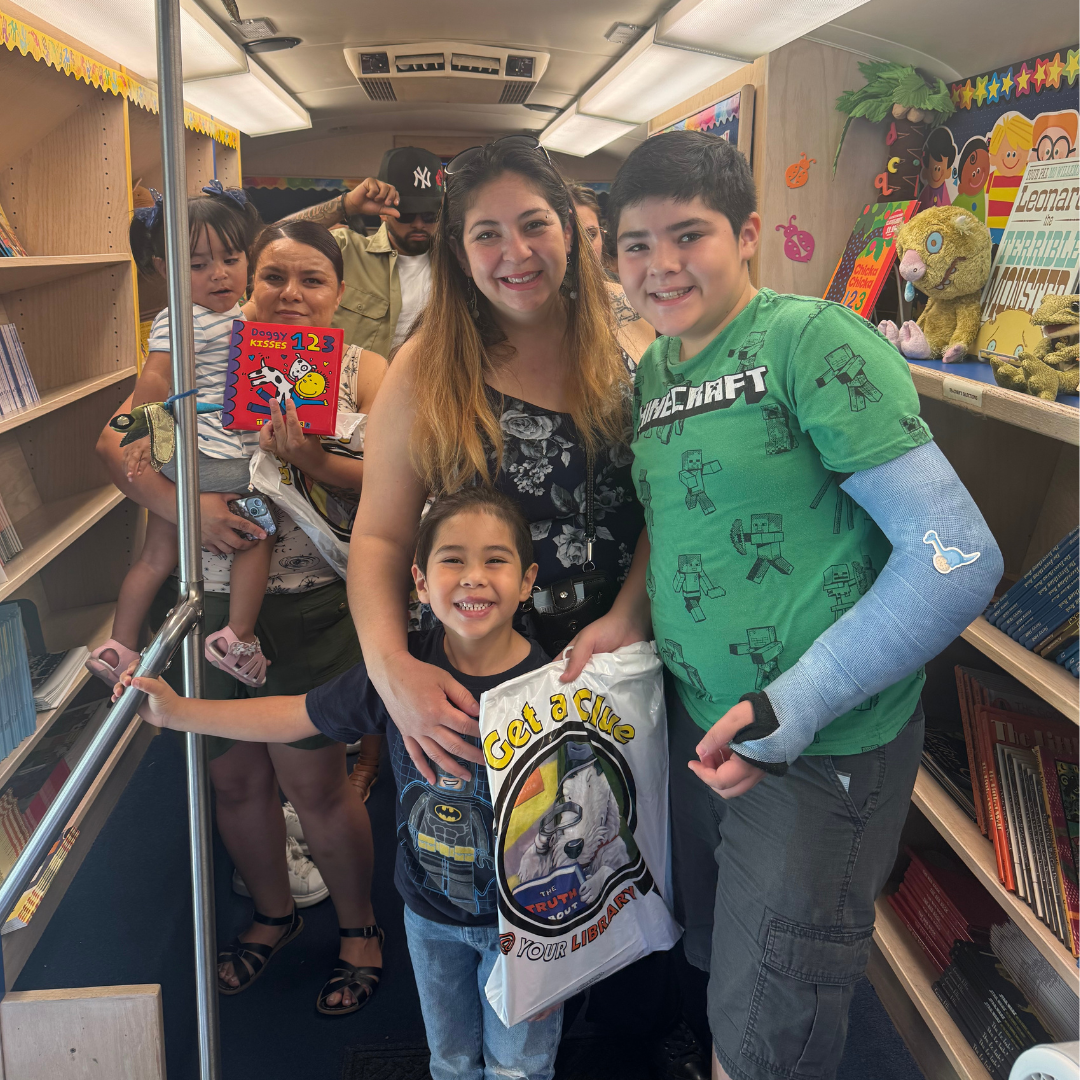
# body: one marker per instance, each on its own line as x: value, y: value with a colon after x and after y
x: 249, y: 958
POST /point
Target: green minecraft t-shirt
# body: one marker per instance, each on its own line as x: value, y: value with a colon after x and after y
x: 739, y: 453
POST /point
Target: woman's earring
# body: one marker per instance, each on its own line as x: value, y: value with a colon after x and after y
x: 474, y: 309
x: 569, y: 284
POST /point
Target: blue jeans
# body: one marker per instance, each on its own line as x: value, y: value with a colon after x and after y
x: 467, y: 1040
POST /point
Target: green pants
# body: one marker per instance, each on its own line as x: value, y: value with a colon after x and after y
x: 308, y: 637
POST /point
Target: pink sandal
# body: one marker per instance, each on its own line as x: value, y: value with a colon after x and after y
x: 105, y: 671
x: 243, y: 660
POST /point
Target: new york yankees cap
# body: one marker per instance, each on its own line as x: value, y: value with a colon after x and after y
x: 418, y: 176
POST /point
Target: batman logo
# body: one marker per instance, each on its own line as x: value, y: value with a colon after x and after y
x: 506, y: 943
x: 447, y: 813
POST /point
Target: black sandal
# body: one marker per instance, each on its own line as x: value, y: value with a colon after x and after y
x: 354, y: 979
x: 249, y: 958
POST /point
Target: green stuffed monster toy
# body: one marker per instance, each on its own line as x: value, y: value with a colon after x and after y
x: 1052, y: 367
x: 944, y: 253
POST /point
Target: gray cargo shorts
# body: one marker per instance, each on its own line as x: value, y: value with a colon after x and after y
x: 776, y: 892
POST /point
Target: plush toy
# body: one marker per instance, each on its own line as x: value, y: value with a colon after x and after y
x: 1051, y: 367
x: 945, y: 253
x: 156, y: 420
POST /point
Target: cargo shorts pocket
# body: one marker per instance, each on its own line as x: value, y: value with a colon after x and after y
x: 798, y: 1014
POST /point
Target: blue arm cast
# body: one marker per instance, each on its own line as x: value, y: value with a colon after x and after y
x: 942, y: 572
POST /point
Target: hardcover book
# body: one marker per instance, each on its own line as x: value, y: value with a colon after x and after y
x: 868, y: 256
x: 283, y: 362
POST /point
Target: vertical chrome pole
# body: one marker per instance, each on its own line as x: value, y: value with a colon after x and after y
x: 182, y: 346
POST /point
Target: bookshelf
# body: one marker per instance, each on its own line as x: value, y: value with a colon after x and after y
x: 70, y: 153
x: 1018, y: 457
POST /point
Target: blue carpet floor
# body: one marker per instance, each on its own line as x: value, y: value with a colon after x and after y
x: 127, y: 919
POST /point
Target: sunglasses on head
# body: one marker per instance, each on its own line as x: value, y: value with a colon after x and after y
x: 428, y: 217
x: 460, y: 161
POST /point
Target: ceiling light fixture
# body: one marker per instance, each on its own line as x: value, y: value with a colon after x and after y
x: 746, y: 28
x: 650, y: 78
x: 251, y: 101
x: 125, y: 34
x: 578, y: 135
x: 271, y: 44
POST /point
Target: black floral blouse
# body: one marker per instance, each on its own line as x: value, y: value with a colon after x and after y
x: 543, y: 471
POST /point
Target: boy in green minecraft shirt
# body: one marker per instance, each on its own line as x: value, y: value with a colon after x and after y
x: 809, y: 548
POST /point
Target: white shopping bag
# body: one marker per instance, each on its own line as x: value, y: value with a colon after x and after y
x: 325, y: 514
x: 579, y: 783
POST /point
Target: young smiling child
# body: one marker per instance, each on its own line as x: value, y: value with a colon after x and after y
x: 808, y: 547
x: 474, y: 566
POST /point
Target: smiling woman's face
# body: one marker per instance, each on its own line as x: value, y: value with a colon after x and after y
x: 513, y: 246
x: 294, y: 283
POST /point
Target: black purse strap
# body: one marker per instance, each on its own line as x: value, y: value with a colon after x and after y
x: 590, y: 524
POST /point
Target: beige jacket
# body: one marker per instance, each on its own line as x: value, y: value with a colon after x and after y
x: 371, y: 303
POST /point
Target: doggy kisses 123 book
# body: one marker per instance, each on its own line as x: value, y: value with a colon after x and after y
x: 282, y: 362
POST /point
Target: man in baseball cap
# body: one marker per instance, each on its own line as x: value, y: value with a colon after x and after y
x: 388, y: 274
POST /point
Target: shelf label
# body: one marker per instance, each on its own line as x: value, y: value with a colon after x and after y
x: 963, y: 391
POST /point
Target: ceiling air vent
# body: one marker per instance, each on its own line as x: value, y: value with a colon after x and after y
x: 447, y: 71
x: 379, y: 89
x: 515, y: 93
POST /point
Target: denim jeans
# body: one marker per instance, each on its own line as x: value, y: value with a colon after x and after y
x: 467, y: 1040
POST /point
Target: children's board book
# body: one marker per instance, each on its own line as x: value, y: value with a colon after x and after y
x: 285, y: 362
x: 1037, y: 255
x: 868, y: 256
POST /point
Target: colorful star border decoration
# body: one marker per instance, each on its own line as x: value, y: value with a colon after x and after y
x: 994, y: 87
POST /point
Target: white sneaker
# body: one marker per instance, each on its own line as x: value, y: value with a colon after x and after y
x: 293, y: 827
x: 305, y: 881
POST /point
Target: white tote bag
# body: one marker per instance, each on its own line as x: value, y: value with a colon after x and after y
x: 579, y: 783
x: 325, y: 514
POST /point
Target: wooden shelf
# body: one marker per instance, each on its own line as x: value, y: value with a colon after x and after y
x: 977, y: 852
x: 916, y: 974
x: 1054, y: 419
x: 51, y: 528
x: 65, y: 395
x: 1049, y: 680
x: 25, y: 272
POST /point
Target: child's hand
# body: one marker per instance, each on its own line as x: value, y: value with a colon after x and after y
x: 161, y: 698
x: 718, y: 766
x: 136, y: 457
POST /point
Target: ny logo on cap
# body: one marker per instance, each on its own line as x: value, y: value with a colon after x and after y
x: 421, y: 177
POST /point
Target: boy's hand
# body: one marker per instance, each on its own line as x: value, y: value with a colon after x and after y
x: 161, y: 698
x: 606, y: 634
x: 136, y: 457
x: 719, y: 766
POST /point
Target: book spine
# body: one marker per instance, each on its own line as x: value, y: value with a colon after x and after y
x: 963, y: 689
x: 1037, y: 577
x: 994, y: 804
x: 1062, y: 847
x: 1052, y: 618
x: 1013, y: 823
x: 1056, y: 580
x: 1003, y: 608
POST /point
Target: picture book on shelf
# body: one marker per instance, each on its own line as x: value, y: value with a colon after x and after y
x: 868, y: 256
x: 283, y: 362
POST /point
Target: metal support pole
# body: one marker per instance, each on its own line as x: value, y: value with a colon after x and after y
x: 182, y: 348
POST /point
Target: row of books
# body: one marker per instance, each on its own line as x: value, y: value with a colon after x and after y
x: 994, y: 983
x: 10, y: 544
x: 18, y: 716
x: 9, y: 242
x: 1022, y: 756
x: 1042, y: 610
x: 17, y: 388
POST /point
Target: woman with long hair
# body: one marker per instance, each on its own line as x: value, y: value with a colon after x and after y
x: 513, y: 378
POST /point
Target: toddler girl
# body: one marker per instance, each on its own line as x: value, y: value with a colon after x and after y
x: 223, y: 225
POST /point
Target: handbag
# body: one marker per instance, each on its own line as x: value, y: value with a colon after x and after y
x: 556, y: 613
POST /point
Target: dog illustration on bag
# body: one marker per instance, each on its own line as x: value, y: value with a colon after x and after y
x: 577, y: 845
